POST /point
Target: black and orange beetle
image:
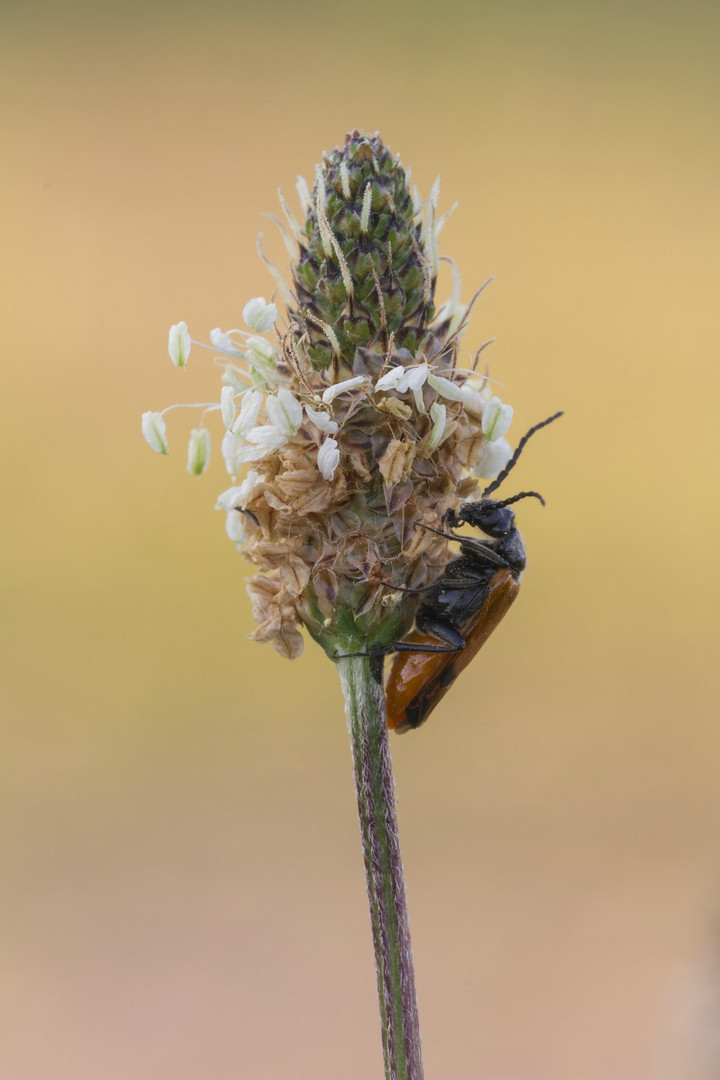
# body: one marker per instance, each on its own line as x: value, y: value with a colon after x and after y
x: 464, y: 606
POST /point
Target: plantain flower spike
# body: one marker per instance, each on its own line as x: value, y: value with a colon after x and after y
x: 351, y: 423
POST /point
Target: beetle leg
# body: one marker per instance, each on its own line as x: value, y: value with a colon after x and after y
x: 439, y: 532
x: 455, y: 642
x: 478, y: 547
x: 460, y: 583
x: 484, y: 551
x: 371, y: 652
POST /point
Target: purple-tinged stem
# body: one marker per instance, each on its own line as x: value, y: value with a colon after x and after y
x: 361, y: 678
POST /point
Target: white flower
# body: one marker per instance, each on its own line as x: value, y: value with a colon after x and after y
x: 403, y: 379
x: 237, y: 452
x: 394, y: 379
x: 284, y: 412
x: 446, y: 388
x: 179, y: 344
x: 476, y: 394
x: 249, y: 409
x: 416, y: 379
x: 267, y: 438
x: 321, y: 420
x: 238, y: 496
x: 261, y: 351
x: 258, y: 315
x: 231, y: 447
x: 496, y: 419
x: 262, y: 355
x: 198, y: 451
x: 230, y: 499
x: 328, y: 458
x: 413, y: 379
x: 153, y: 428
x: 251, y: 481
x: 235, y: 527
x: 438, y: 412
x: 494, y: 458
x: 227, y: 406
x: 343, y: 387
x: 235, y: 377
x: 223, y: 342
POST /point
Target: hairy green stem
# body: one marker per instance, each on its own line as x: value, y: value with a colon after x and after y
x: 361, y: 678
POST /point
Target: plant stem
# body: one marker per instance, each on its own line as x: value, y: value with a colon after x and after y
x: 361, y: 678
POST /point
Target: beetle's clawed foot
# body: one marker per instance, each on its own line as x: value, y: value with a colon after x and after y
x: 450, y: 520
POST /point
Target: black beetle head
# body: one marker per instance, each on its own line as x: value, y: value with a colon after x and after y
x: 494, y: 518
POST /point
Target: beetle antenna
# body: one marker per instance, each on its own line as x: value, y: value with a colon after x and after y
x: 522, y: 495
x: 518, y: 451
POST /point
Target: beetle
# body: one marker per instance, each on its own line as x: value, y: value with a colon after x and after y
x: 464, y: 606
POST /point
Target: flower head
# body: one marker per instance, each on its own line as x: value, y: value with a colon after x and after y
x: 356, y: 426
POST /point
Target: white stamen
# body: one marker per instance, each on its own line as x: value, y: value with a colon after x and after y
x: 343, y: 387
x: 229, y: 500
x: 247, y: 417
x: 267, y: 436
x: 223, y: 342
x: 235, y: 527
x: 252, y: 481
x: 321, y: 420
x: 496, y: 419
x: 494, y: 458
x: 236, y: 451
x: 328, y: 458
x: 394, y: 379
x: 438, y: 413
x: 179, y: 344
x: 235, y: 377
x: 153, y: 429
x: 239, y: 496
x: 259, y: 315
x: 446, y: 388
x: 416, y: 379
x: 227, y: 406
x: 284, y: 412
x: 198, y: 451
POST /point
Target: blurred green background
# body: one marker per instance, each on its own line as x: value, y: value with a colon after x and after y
x: 183, y: 891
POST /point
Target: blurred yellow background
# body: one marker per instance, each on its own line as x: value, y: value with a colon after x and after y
x: 183, y: 891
